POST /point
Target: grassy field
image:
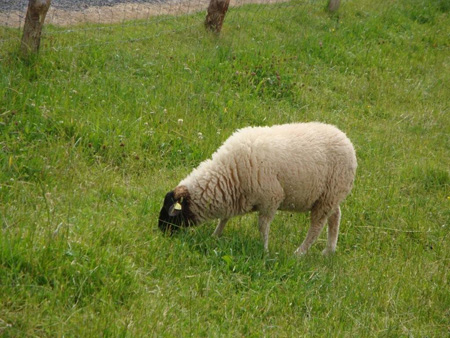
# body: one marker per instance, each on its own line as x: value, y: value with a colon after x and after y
x: 91, y: 139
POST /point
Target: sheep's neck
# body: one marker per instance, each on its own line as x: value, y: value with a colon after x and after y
x: 217, y: 195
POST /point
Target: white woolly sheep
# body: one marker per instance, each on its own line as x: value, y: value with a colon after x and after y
x: 295, y: 167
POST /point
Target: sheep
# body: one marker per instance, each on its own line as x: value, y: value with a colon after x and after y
x: 296, y: 167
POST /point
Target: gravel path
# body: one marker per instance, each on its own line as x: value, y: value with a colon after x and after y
x: 70, y: 5
x: 74, y: 12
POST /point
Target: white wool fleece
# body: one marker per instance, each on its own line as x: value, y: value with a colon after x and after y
x: 296, y: 167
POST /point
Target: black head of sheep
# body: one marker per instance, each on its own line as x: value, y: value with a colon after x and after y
x: 175, y: 212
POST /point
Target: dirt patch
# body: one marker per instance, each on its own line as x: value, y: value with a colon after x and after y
x: 118, y: 13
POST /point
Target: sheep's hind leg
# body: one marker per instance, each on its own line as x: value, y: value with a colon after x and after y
x: 333, y: 231
x: 219, y: 228
x: 318, y: 219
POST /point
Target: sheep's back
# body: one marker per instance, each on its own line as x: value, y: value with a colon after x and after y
x: 302, y: 158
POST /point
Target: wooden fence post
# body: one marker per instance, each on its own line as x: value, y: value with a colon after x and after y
x: 216, y: 14
x: 34, y: 21
x: 333, y: 5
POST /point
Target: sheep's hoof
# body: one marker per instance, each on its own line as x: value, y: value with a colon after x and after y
x: 299, y: 253
x: 328, y: 252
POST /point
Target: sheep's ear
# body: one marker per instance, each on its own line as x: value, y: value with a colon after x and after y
x: 175, y: 209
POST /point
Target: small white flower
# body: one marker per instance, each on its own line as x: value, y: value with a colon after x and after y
x: 180, y: 122
x: 200, y: 135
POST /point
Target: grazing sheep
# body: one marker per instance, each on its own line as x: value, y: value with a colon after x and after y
x: 293, y: 167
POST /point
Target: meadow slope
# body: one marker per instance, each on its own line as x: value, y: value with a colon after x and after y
x: 107, y: 119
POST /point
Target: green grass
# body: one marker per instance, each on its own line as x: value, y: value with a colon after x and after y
x: 90, y: 142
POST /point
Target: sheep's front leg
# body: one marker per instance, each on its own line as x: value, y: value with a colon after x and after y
x: 219, y: 228
x: 264, y: 226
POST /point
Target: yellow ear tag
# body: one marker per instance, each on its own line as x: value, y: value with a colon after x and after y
x: 177, y: 206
